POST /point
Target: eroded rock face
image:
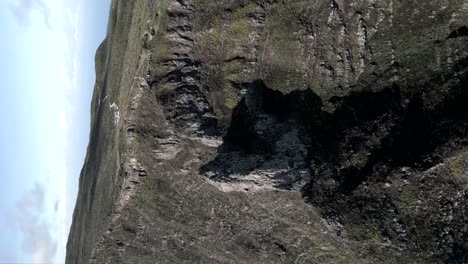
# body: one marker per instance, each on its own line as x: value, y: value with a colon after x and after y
x: 278, y: 131
x: 267, y: 145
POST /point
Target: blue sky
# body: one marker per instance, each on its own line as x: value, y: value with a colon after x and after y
x: 47, y: 72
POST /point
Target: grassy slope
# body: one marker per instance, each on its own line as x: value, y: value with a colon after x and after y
x: 116, y: 60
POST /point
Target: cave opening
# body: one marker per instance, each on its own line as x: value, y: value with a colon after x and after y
x: 458, y: 33
x: 264, y: 114
x: 267, y: 143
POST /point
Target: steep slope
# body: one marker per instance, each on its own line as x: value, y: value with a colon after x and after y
x: 253, y: 131
x: 118, y: 59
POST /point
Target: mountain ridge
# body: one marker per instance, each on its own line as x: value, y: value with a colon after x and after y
x: 277, y: 132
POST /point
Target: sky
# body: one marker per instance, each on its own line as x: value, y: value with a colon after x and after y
x: 47, y: 78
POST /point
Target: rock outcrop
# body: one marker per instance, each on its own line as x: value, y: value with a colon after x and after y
x: 264, y: 131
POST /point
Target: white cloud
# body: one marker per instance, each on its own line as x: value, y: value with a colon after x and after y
x: 33, y: 200
x: 73, y: 20
x: 36, y: 232
x: 23, y: 8
x: 46, y: 210
x: 46, y: 247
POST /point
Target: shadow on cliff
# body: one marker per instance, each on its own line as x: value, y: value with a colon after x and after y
x: 268, y: 135
x: 290, y: 135
x: 289, y: 142
x: 282, y: 134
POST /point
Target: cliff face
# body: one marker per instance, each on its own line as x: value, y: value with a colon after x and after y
x: 263, y: 131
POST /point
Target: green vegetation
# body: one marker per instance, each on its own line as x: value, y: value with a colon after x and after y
x: 407, y: 199
x: 232, y: 97
x: 239, y: 25
x: 280, y: 59
x: 457, y: 166
x: 212, y: 12
x: 233, y: 71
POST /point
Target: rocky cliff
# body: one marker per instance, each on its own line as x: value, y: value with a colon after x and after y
x: 272, y: 131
